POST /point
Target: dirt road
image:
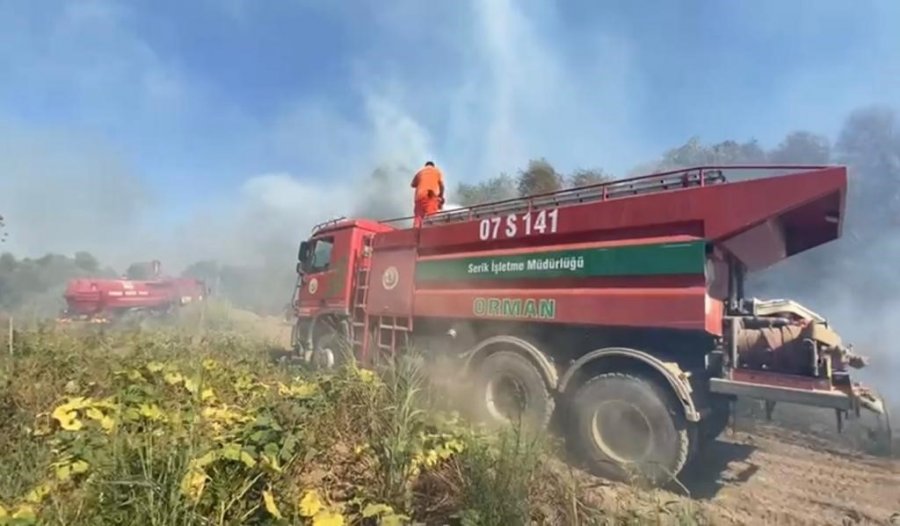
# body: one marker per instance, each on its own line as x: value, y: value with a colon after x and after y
x: 793, y: 471
x: 796, y: 470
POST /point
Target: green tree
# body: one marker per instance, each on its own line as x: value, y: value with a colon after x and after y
x: 36, y: 286
x: 802, y: 147
x: 139, y: 271
x: 869, y: 143
x: 539, y: 178
x: 695, y: 153
x: 496, y: 189
x: 587, y: 177
x: 86, y: 262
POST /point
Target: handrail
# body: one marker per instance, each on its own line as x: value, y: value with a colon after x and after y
x: 328, y: 223
x: 627, y: 187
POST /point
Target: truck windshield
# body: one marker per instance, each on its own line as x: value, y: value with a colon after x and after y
x: 321, y: 254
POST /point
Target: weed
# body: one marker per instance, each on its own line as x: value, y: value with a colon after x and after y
x: 496, y: 476
x: 190, y: 424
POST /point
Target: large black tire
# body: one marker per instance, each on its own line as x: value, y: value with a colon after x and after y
x: 509, y: 389
x: 628, y: 428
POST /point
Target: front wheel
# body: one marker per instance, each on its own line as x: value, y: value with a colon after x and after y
x: 332, y: 349
x: 629, y: 428
x: 325, y: 354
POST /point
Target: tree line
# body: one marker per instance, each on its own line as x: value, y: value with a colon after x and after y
x: 868, y: 142
x: 538, y: 177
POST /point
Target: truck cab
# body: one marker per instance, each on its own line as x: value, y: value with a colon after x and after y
x: 327, y: 265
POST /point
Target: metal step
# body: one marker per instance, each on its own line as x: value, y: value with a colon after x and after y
x: 394, y: 328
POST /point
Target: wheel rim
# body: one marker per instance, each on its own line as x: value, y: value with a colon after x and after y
x: 505, y: 398
x: 324, y: 358
x: 622, y: 431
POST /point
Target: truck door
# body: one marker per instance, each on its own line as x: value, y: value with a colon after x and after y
x: 325, y: 285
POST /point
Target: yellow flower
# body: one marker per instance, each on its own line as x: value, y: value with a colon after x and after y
x: 328, y: 518
x: 67, y: 413
x: 151, y: 412
x: 79, y: 466
x: 191, y: 385
x: 106, y: 422
x: 173, y: 378
x: 300, y: 390
x: 210, y: 364
x: 38, y: 494
x: 65, y: 470
x: 193, y: 483
x: 310, y: 504
x: 366, y: 375
x: 371, y: 510
x: 94, y: 414
x: 223, y: 415
x: 392, y: 520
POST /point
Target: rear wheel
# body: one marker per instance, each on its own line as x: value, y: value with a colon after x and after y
x: 509, y: 389
x: 629, y: 428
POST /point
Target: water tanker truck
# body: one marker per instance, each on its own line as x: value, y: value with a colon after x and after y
x: 619, y: 305
x: 101, y: 300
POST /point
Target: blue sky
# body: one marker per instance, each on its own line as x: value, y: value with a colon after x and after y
x: 203, y: 117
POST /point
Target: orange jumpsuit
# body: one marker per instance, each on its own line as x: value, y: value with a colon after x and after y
x: 427, y: 182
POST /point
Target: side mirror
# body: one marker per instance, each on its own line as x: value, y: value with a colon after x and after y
x: 303, y: 253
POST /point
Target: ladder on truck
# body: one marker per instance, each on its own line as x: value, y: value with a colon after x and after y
x: 643, y: 185
x: 387, y: 334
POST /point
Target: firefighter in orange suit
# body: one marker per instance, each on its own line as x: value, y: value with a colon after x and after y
x: 429, y: 185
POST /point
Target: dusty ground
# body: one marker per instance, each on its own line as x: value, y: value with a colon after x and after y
x: 778, y: 476
x: 770, y: 474
x: 796, y: 470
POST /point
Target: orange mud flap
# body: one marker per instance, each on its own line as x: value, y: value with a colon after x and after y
x: 813, y: 392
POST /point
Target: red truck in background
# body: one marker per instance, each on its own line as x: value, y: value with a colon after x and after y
x: 104, y: 300
x: 620, y: 304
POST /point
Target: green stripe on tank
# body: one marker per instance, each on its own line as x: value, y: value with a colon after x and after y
x: 634, y: 260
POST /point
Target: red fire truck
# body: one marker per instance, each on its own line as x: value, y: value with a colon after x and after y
x: 102, y: 300
x: 620, y: 305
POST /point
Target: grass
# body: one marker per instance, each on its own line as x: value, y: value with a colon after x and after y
x: 193, y: 424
